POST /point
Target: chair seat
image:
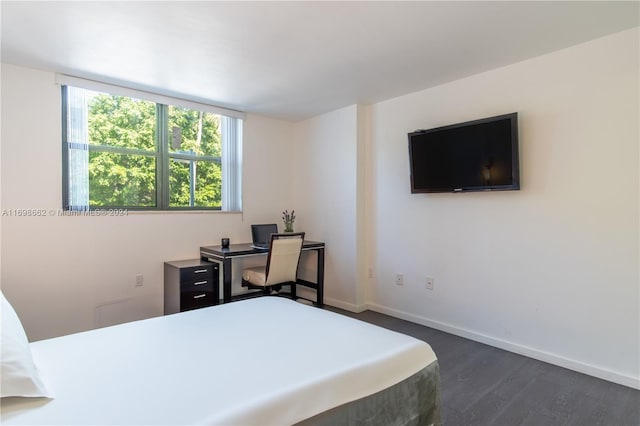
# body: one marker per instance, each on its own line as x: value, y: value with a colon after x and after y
x: 256, y: 276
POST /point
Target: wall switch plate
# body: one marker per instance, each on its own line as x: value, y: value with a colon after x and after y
x: 139, y: 280
x: 429, y: 283
x: 399, y: 279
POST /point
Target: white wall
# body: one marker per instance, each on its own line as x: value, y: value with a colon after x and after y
x: 67, y: 274
x: 551, y: 270
x: 324, y: 195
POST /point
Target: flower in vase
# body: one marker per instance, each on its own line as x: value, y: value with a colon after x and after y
x: 288, y: 219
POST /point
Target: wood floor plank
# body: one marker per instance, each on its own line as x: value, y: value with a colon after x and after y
x: 480, y: 377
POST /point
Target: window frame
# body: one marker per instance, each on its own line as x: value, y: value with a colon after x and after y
x: 231, y: 141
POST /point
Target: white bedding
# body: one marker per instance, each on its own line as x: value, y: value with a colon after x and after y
x: 261, y: 361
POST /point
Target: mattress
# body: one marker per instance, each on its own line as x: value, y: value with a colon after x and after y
x: 261, y: 361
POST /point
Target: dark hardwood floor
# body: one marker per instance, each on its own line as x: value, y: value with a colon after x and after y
x: 483, y: 385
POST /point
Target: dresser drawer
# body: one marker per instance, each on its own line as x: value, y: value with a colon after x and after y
x: 196, y: 273
x: 196, y: 299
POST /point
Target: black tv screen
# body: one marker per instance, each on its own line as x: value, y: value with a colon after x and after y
x: 478, y: 155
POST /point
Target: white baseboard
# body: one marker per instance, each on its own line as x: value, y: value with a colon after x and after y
x: 571, y: 364
x: 346, y: 306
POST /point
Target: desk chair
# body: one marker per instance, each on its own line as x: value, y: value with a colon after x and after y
x: 281, y: 267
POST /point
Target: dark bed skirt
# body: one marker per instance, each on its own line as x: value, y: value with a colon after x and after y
x: 414, y: 401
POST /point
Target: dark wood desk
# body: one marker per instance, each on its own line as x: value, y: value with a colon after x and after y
x: 226, y: 255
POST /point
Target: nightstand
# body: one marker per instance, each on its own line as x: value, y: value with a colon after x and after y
x: 190, y: 284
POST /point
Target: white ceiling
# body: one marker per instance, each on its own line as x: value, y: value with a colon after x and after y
x: 293, y: 60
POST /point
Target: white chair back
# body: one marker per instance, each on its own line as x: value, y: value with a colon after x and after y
x: 283, y: 259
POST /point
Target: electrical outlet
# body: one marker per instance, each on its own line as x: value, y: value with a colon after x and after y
x: 399, y: 279
x: 370, y: 272
x: 139, y: 280
x: 429, y: 283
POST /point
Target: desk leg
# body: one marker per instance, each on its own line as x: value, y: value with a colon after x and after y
x: 226, y: 281
x: 320, y: 278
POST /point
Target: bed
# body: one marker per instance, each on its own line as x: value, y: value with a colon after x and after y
x: 263, y: 361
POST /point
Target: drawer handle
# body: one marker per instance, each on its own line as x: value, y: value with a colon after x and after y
x: 200, y: 282
x: 199, y: 271
x: 200, y: 296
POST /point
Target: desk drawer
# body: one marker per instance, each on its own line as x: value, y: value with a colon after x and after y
x: 196, y: 273
x: 203, y: 284
x: 196, y: 299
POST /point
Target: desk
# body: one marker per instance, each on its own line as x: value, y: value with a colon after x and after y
x: 226, y: 255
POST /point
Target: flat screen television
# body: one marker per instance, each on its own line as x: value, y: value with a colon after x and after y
x: 479, y: 155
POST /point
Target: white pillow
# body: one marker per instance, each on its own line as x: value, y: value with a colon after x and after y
x: 19, y: 373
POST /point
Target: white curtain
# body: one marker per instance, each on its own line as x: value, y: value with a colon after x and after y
x: 78, y: 148
x: 231, y: 135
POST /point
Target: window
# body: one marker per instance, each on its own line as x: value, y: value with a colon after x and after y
x: 131, y: 152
